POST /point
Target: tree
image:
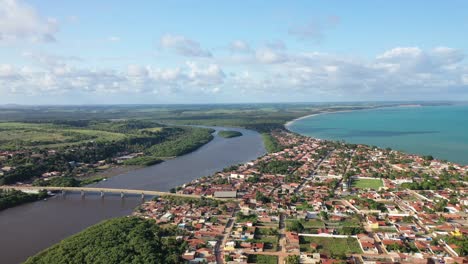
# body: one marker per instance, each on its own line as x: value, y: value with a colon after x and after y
x: 293, y: 259
x: 295, y: 226
x: 324, y: 215
x: 119, y: 240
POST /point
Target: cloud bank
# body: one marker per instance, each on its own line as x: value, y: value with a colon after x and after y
x: 398, y: 73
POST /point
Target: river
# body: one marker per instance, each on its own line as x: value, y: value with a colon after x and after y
x: 30, y: 228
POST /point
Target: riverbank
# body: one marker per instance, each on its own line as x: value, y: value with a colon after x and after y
x: 62, y: 216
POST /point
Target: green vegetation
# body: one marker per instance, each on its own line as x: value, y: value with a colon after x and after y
x: 78, y: 146
x: 460, y: 242
x: 293, y: 259
x: 335, y: 247
x: 13, y: 198
x: 295, y: 226
x: 271, y: 144
x: 143, y: 161
x: 66, y: 181
x: 119, y: 240
x: 445, y: 180
x: 229, y: 134
x: 262, y: 259
x: 26, y: 135
x: 270, y: 242
x: 190, y: 139
x: 242, y: 218
x: 370, y: 204
x: 278, y: 166
x: 406, y: 247
x: 367, y: 183
x: 58, y: 181
x: 91, y: 180
x: 259, y: 117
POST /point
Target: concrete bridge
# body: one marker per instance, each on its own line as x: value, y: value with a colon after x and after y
x: 101, y: 191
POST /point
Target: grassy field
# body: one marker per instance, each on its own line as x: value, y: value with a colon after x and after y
x: 259, y: 117
x: 367, y: 183
x: 263, y: 259
x: 271, y: 242
x: 25, y: 135
x: 311, y: 223
x: 331, y: 246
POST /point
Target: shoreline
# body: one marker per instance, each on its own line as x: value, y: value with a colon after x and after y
x: 289, y: 123
x: 437, y: 158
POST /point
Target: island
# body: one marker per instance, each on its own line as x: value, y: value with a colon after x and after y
x: 229, y: 134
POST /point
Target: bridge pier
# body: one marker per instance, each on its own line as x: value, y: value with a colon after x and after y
x: 102, y: 194
x: 64, y: 192
x: 82, y: 194
x: 142, y: 196
x: 122, y: 195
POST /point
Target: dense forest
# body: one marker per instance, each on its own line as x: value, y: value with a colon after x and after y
x: 13, y: 198
x: 119, y: 240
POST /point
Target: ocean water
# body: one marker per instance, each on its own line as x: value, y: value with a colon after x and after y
x: 441, y: 131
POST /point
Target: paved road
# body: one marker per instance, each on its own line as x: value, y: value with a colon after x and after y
x: 219, y: 250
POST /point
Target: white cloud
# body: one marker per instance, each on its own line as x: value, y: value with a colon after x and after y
x: 21, y: 21
x: 183, y: 46
x: 401, y: 53
x: 401, y: 73
x: 239, y: 46
x: 269, y: 56
x: 210, y: 75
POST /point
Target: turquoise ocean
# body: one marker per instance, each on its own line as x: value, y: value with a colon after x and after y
x: 440, y: 131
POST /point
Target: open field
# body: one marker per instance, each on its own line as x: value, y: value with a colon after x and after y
x: 307, y: 224
x: 25, y: 135
x: 271, y: 242
x: 260, y: 117
x: 331, y: 246
x: 263, y: 259
x: 367, y: 183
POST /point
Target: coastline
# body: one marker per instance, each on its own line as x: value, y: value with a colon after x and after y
x: 289, y: 123
x: 436, y: 155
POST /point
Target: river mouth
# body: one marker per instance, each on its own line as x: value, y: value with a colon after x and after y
x: 30, y: 228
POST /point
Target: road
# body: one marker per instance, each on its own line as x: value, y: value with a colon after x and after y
x: 219, y: 250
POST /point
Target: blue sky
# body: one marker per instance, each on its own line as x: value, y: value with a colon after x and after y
x: 227, y: 51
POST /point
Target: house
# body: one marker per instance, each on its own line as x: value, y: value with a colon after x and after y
x: 372, y: 222
x: 225, y: 194
x: 230, y: 246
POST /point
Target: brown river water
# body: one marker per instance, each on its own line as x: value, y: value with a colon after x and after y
x: 27, y: 229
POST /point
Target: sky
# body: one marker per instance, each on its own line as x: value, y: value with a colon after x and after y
x: 159, y: 52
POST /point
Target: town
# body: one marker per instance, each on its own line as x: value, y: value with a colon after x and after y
x: 319, y: 201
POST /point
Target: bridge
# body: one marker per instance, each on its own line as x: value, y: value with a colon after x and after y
x: 102, y: 191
